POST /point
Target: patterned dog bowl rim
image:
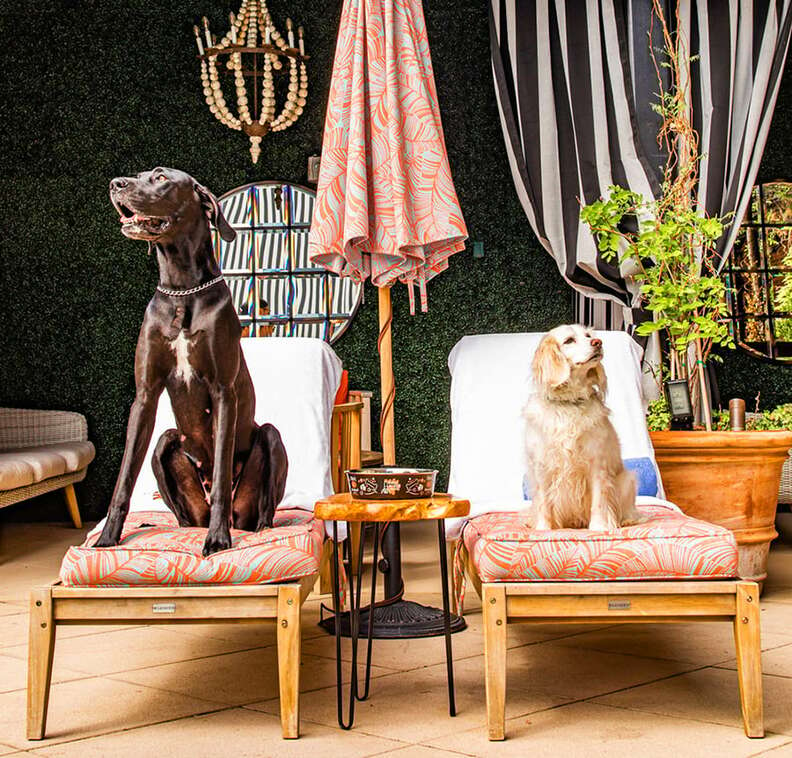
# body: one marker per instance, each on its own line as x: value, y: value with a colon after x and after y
x: 380, y: 473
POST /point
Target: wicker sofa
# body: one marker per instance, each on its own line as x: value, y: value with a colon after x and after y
x: 42, y: 451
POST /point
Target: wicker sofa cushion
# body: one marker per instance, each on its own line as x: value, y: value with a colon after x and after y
x: 23, y: 466
x: 154, y: 550
x: 670, y: 545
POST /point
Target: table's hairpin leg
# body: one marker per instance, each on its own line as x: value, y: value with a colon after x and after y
x: 441, y: 536
x: 372, y: 604
x: 355, y: 588
x: 337, y: 610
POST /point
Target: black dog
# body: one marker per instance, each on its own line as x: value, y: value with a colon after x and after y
x: 189, y: 345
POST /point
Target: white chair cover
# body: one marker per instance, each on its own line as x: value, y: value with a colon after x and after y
x: 491, y: 381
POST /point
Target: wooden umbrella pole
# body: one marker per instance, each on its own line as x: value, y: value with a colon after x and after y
x: 391, y: 540
x: 385, y: 348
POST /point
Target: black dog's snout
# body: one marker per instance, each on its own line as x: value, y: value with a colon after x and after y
x: 119, y: 183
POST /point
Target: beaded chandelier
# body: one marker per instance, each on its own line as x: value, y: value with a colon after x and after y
x: 254, y: 48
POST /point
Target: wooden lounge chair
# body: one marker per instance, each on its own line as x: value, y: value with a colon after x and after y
x: 670, y: 569
x: 157, y: 575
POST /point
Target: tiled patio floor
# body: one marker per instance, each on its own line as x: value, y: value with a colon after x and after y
x: 212, y: 690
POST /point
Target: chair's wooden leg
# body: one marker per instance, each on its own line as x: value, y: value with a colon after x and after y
x: 325, y: 569
x: 355, y: 531
x: 494, y: 613
x: 41, y: 646
x: 71, y: 503
x: 289, y: 659
x: 747, y: 639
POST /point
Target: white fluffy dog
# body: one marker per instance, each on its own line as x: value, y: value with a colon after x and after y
x: 574, y: 461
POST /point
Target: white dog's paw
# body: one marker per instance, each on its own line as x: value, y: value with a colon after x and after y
x: 634, y: 520
x: 601, y: 524
x: 542, y: 524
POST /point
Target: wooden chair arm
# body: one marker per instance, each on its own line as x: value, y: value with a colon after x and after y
x: 344, y: 442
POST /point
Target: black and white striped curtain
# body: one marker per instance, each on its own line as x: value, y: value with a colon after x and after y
x: 575, y: 85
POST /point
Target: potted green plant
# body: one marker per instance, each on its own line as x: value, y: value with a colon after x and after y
x: 729, y: 478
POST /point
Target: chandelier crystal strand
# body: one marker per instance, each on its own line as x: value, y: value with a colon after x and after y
x: 255, y: 50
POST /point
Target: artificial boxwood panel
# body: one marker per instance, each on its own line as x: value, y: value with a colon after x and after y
x: 113, y: 88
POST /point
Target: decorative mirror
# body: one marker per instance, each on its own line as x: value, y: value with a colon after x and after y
x: 276, y: 289
x: 759, y: 275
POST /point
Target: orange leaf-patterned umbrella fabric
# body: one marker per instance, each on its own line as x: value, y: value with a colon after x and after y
x: 386, y: 206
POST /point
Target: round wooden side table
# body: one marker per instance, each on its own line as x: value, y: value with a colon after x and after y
x: 343, y: 507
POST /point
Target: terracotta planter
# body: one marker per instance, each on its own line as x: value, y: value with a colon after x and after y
x: 727, y: 478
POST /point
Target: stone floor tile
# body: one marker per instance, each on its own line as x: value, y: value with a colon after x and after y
x: 93, y: 706
x: 126, y: 649
x: 13, y: 674
x: 413, y: 706
x: 700, y: 643
x: 776, y: 662
x: 418, y: 751
x: 710, y: 695
x: 237, y: 732
x: 782, y: 751
x: 582, y: 730
x: 406, y: 654
x: 576, y: 673
x: 14, y: 629
x: 235, y: 678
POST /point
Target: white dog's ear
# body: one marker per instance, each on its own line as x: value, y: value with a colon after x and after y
x: 598, y: 377
x: 550, y: 367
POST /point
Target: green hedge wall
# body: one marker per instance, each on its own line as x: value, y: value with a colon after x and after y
x: 113, y: 88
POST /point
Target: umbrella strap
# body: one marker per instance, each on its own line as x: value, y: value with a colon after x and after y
x: 422, y: 292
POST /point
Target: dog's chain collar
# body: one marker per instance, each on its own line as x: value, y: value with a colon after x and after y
x: 191, y: 291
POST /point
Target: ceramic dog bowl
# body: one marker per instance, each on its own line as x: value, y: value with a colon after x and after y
x: 390, y: 483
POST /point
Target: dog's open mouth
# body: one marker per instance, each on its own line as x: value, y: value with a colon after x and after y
x: 140, y: 225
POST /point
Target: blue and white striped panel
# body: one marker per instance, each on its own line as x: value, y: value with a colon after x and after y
x: 236, y: 207
x: 300, y: 250
x: 301, y: 207
x: 274, y: 291
x: 309, y: 296
x: 273, y: 251
x: 242, y: 294
x: 235, y: 256
x: 271, y: 204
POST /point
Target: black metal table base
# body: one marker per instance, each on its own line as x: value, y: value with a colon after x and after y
x: 396, y: 618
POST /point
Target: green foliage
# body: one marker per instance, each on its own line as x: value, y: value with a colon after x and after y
x: 658, y: 417
x: 687, y: 304
x: 778, y: 418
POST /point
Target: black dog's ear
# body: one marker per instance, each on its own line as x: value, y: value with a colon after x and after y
x: 213, y: 212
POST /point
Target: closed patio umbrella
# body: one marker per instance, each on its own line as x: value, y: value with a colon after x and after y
x: 385, y: 207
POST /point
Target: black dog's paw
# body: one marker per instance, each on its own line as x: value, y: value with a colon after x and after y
x: 111, y: 534
x: 265, y: 522
x: 105, y: 541
x: 216, y: 540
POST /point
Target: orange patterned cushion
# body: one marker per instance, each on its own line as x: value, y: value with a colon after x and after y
x: 668, y: 546
x: 154, y: 550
